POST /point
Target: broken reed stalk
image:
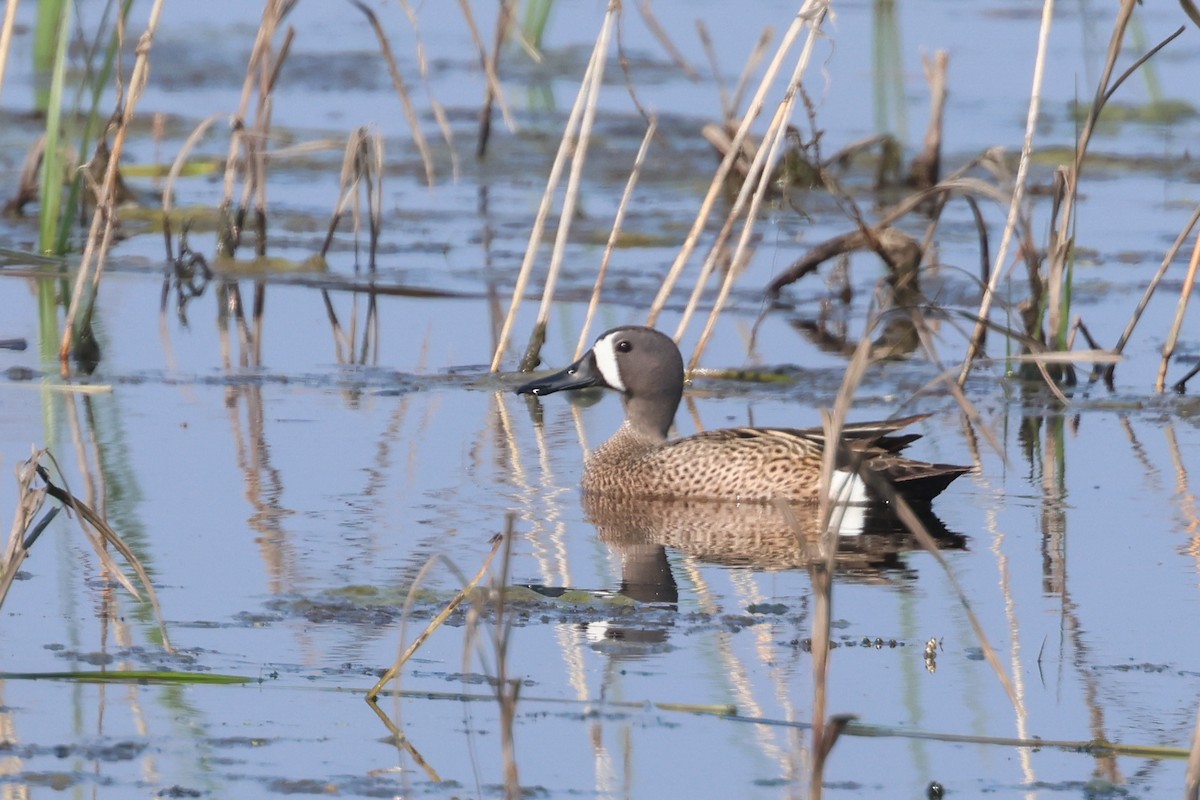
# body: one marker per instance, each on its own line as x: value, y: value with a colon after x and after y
x: 1018, y: 197
x: 94, y: 527
x: 362, y: 166
x: 410, y: 112
x: 926, y: 168
x: 494, y: 93
x: 91, y: 267
x: 168, y: 193
x: 810, y: 8
x: 23, y: 533
x: 614, y: 235
x: 1185, y: 294
x: 566, y: 147
x: 757, y: 181
x: 230, y: 224
x: 442, y: 616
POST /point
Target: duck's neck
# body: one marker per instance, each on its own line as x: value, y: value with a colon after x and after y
x: 651, y: 417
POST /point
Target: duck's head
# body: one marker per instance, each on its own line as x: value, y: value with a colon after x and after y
x: 641, y: 363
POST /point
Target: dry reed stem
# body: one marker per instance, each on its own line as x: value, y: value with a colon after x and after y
x: 575, y: 176
x: 754, y: 183
x: 348, y: 182
x: 756, y: 57
x: 490, y: 64
x: 821, y: 570
x: 29, y: 503
x: 410, y: 112
x: 6, y: 31
x: 99, y: 533
x: 1192, y: 786
x: 660, y: 33
x: 758, y: 179
x: 404, y: 743
x: 821, y: 577
x: 614, y: 235
x: 437, y: 621
x: 439, y: 113
x: 710, y: 52
x: 1018, y: 195
x: 168, y: 193
x: 273, y: 13
x: 926, y: 167
x: 565, y: 147
x: 100, y: 234
x: 362, y: 165
x: 506, y: 691
x: 1185, y: 294
x: 810, y: 8
x: 1176, y: 246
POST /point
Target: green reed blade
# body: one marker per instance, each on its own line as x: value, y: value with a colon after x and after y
x: 129, y: 676
x: 52, y: 158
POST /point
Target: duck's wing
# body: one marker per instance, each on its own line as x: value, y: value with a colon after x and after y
x: 877, y: 433
x: 792, y: 457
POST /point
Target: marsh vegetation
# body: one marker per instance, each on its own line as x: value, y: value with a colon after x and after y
x: 269, y: 279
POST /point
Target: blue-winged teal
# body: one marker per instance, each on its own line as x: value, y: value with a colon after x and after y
x: 745, y: 464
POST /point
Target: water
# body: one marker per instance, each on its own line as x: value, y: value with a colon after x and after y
x: 285, y: 509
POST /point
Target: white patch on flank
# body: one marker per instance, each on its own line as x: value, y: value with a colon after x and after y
x: 848, y: 493
x: 847, y: 487
x: 849, y: 520
x: 606, y: 362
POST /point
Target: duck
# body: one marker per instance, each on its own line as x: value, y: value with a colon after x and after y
x: 760, y: 465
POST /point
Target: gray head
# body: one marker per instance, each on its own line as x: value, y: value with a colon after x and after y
x: 639, y: 362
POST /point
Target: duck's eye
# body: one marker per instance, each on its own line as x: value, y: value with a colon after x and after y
x: 624, y: 345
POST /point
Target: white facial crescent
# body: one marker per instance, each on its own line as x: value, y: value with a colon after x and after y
x: 606, y: 361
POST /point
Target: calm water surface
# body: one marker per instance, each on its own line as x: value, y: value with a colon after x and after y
x: 285, y: 509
